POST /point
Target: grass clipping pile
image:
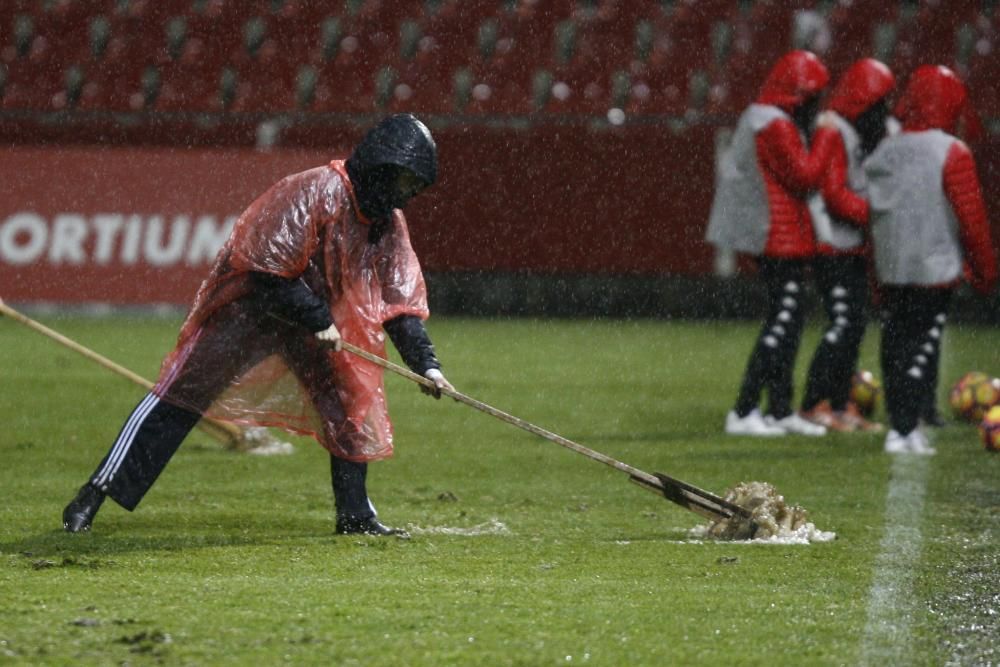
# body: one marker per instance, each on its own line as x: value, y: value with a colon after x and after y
x: 776, y: 521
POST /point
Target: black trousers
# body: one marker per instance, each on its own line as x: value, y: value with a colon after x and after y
x: 843, y: 287
x: 913, y: 320
x: 156, y: 427
x: 773, y: 357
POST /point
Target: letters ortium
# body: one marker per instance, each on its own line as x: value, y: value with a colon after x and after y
x: 106, y: 239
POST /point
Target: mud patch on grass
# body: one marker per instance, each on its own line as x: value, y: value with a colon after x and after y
x: 773, y: 520
x: 67, y: 562
x: 152, y: 642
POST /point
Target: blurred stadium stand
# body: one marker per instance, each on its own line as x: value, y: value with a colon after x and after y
x: 570, y: 98
x: 65, y: 63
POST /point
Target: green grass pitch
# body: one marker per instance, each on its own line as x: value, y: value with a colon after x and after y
x: 524, y: 553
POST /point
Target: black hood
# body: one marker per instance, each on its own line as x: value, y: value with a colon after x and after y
x: 400, y: 140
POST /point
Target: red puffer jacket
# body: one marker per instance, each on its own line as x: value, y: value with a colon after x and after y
x: 936, y: 99
x: 864, y: 84
x: 791, y: 171
x: 961, y: 185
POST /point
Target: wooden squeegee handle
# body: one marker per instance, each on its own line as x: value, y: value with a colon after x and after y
x: 647, y: 478
x: 228, y: 434
x: 689, y: 496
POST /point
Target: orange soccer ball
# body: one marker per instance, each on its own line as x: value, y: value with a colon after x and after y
x: 973, y: 395
x: 866, y: 392
x: 989, y: 428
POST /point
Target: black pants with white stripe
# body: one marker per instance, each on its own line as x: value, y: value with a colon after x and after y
x: 913, y: 320
x: 223, y: 352
x: 147, y: 441
x: 843, y: 285
x: 773, y: 357
x: 153, y: 433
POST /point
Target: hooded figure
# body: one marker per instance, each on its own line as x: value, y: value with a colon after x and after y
x: 856, y: 115
x: 767, y: 173
x: 760, y: 208
x: 929, y: 228
x: 322, y: 256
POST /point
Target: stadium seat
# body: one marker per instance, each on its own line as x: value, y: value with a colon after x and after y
x: 494, y: 93
x: 655, y: 91
x: 415, y: 92
x: 266, y: 84
x: 188, y: 85
x: 587, y: 46
x: 31, y: 85
x: 292, y: 41
x: 579, y: 91
x: 852, y: 32
x: 341, y: 89
x: 981, y: 79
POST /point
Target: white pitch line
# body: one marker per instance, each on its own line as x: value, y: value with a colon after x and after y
x: 891, y: 602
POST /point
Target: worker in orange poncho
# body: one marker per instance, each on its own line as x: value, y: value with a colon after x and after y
x: 322, y: 256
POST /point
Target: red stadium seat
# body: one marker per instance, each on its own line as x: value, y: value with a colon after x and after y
x: 31, y: 85
x: 494, y: 93
x: 188, y: 85
x: 981, y: 80
x: 851, y: 31
x: 655, y: 91
x: 417, y: 92
x: 265, y: 87
x: 341, y: 89
x: 579, y: 91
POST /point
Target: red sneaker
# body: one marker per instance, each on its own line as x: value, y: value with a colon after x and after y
x: 851, y: 415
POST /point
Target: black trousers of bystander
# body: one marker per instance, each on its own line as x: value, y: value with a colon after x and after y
x: 772, y: 360
x: 843, y: 286
x: 913, y: 320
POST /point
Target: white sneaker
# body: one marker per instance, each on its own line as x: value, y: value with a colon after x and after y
x: 918, y: 443
x: 752, y: 424
x: 914, y: 442
x: 895, y: 443
x: 793, y: 423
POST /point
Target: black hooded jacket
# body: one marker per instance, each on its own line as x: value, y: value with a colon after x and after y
x: 398, y: 141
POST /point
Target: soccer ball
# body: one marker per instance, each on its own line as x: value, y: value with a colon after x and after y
x: 866, y: 392
x: 989, y: 428
x: 973, y: 395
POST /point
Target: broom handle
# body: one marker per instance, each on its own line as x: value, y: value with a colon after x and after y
x: 503, y: 416
x: 228, y: 434
x: 697, y: 500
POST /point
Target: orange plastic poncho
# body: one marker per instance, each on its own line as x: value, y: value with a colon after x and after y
x: 308, y: 225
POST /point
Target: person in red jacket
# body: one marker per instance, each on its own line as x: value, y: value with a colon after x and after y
x: 929, y: 228
x: 856, y: 111
x: 760, y: 209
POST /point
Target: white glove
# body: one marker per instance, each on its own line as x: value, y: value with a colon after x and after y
x: 440, y: 382
x: 331, y: 336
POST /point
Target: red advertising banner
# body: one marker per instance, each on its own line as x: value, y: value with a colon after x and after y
x: 141, y: 225
x: 122, y: 225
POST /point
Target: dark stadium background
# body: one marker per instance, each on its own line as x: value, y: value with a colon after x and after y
x: 577, y: 137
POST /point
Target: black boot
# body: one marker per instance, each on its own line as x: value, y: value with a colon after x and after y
x: 80, y: 512
x: 355, y: 513
x: 351, y: 525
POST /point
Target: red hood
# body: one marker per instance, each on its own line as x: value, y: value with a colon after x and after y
x: 863, y: 84
x: 797, y: 76
x: 935, y: 98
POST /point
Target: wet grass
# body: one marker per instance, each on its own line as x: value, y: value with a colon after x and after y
x: 231, y: 558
